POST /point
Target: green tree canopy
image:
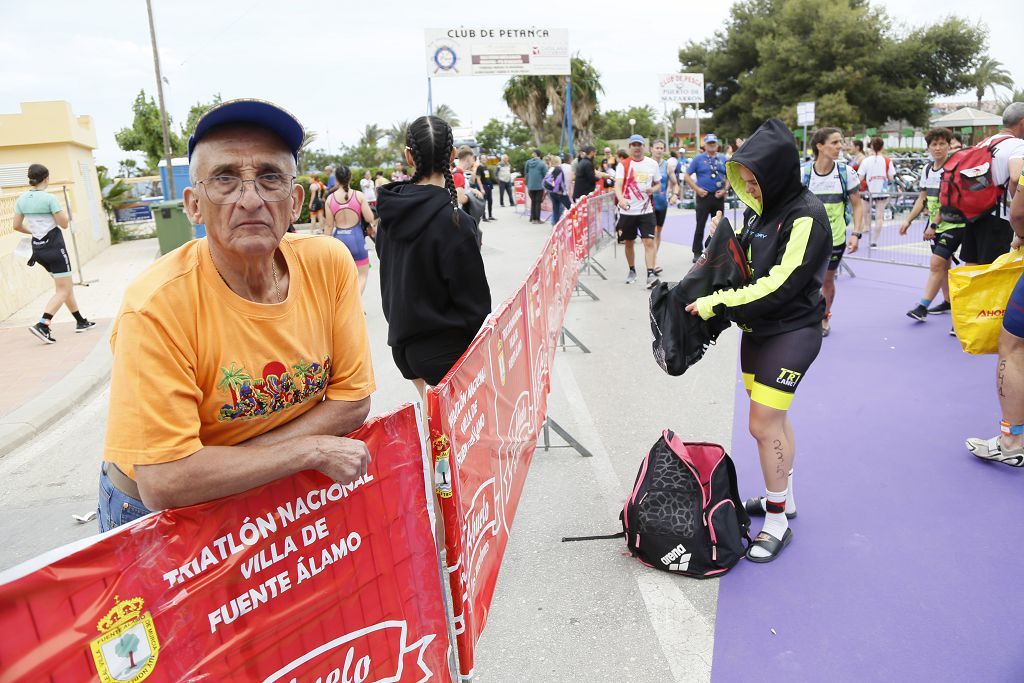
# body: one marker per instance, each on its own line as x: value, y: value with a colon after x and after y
x: 145, y: 134
x: 846, y: 55
x: 614, y: 123
x: 496, y: 136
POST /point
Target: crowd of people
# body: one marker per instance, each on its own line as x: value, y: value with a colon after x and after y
x: 258, y: 340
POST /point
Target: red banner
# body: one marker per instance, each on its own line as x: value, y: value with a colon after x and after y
x: 301, y: 580
x: 484, y: 420
x: 519, y: 187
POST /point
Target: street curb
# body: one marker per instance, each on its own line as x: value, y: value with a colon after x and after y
x: 33, y: 418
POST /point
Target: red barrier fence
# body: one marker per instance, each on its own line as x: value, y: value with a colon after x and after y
x: 307, y: 580
x: 486, y: 414
x: 299, y: 580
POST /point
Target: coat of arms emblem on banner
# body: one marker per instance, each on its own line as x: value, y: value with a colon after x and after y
x: 127, y: 647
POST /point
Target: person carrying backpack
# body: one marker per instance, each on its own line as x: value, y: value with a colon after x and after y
x: 945, y: 235
x: 988, y: 236
x: 838, y: 188
x: 556, y: 185
x: 788, y: 237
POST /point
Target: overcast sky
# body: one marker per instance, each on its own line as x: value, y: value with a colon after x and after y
x: 339, y: 66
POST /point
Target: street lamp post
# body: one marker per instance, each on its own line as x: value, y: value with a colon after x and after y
x: 632, y: 122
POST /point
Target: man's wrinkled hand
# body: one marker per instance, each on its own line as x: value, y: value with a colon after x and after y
x: 343, y: 460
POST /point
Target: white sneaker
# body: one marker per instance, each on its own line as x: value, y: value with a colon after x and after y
x: 631, y: 278
x: 652, y: 281
x: 992, y: 449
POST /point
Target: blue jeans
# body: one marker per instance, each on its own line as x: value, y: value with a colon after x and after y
x: 116, y: 507
x: 559, y: 203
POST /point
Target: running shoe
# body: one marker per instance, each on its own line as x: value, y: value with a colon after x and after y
x: 944, y: 307
x: 919, y: 313
x: 874, y: 244
x: 992, y: 450
x: 652, y: 281
x: 952, y: 332
x: 42, y: 332
x: 631, y: 278
x: 84, y: 325
x: 657, y: 270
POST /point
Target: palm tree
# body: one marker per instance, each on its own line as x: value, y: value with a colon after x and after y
x: 372, y: 134
x: 989, y: 74
x: 308, y: 137
x: 527, y: 97
x: 396, y: 138
x: 447, y: 114
x: 586, y: 86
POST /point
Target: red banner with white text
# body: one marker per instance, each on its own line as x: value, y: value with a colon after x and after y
x: 300, y: 580
x: 484, y: 420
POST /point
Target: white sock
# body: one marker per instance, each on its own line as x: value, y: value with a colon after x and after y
x: 775, y: 523
x: 790, y: 500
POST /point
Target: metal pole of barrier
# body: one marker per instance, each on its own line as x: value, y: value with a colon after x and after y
x: 846, y: 266
x: 569, y: 439
x: 580, y: 287
x: 435, y: 514
x: 592, y: 267
x: 576, y: 343
x: 74, y: 241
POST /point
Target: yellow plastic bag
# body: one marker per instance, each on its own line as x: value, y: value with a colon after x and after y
x: 978, y: 295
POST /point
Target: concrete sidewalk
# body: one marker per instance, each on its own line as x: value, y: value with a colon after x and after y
x: 54, y: 378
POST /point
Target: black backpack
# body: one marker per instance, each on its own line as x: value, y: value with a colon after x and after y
x: 684, y: 513
x: 680, y: 339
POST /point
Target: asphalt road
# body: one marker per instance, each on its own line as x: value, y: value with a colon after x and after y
x: 562, y: 612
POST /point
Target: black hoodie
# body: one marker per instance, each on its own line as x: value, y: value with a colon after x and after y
x: 787, y: 236
x: 432, y: 276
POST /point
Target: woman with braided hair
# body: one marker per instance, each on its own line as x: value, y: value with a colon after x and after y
x: 433, y: 287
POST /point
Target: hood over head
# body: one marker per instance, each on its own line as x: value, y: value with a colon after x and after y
x: 771, y: 155
x: 406, y: 209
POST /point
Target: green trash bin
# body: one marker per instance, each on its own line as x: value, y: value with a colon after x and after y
x: 173, y: 228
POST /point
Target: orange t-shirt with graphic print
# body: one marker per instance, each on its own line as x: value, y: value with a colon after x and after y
x: 197, y: 365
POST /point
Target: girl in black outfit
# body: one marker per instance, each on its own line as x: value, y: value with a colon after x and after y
x: 433, y: 287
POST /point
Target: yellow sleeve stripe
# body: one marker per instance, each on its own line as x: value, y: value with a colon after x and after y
x: 777, y: 276
x: 770, y: 396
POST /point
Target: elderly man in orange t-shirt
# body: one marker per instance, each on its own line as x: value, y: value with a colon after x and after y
x: 242, y: 357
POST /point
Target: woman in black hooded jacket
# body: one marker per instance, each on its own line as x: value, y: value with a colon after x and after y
x: 433, y: 287
x: 788, y: 239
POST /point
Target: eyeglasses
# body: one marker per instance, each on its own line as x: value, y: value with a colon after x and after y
x: 227, y: 189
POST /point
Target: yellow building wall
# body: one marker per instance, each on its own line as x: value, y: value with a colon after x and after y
x: 49, y: 133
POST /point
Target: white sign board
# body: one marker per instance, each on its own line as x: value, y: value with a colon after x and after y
x: 497, y: 52
x: 805, y: 113
x: 681, y: 87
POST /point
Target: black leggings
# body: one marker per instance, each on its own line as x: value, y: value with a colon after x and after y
x: 489, y: 198
x: 536, y: 197
x: 430, y: 358
x: 706, y: 206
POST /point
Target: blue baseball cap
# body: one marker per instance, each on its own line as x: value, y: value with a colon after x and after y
x: 637, y: 138
x: 710, y: 137
x: 256, y: 112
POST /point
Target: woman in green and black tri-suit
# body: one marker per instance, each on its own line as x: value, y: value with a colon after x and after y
x: 788, y: 239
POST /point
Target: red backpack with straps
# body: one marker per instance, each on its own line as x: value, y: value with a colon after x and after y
x: 967, y: 190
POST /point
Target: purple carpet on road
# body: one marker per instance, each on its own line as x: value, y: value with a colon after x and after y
x: 904, y: 564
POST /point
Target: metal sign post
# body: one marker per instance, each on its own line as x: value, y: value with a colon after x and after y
x: 74, y: 241
x: 804, y: 117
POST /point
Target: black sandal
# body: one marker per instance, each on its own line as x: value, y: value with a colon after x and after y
x: 773, y: 546
x: 755, y: 507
